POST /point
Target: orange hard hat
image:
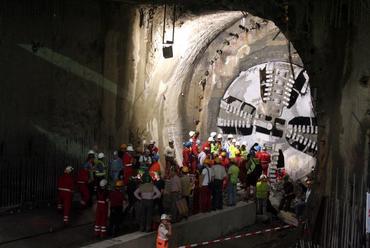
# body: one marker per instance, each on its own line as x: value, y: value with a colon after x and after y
x: 185, y: 169
x: 207, y: 161
x: 123, y: 147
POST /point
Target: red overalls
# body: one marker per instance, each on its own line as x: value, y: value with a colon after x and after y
x: 65, y: 193
x: 83, y: 188
x: 194, y: 159
x: 127, y: 167
x: 186, y: 153
x: 101, y: 219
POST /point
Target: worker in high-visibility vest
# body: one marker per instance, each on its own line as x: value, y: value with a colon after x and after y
x: 65, y: 193
x: 164, y: 232
x: 262, y: 194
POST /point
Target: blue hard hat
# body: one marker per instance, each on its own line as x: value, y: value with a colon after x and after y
x: 257, y: 147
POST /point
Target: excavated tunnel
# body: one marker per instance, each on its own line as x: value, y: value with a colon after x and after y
x: 292, y: 75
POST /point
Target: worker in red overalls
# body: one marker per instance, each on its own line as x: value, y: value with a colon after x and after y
x: 225, y: 162
x: 265, y: 159
x: 83, y: 182
x: 65, y: 193
x: 101, y: 217
x: 127, y: 161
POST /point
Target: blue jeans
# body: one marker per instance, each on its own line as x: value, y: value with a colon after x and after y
x: 231, y: 194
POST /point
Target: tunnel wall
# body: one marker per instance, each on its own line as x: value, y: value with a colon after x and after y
x: 59, y: 97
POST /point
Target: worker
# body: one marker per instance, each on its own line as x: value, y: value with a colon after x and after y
x: 146, y: 193
x: 155, y: 167
x: 232, y: 148
x: 83, y: 180
x: 100, y: 169
x: 154, y: 150
x: 228, y: 142
x: 170, y: 157
x: 265, y: 159
x: 217, y: 146
x: 288, y: 195
x: 262, y: 194
x: 65, y: 193
x: 186, y: 185
x: 145, y: 161
x: 254, y: 171
x: 208, y: 144
x: 101, y: 217
x: 243, y: 150
x: 233, y: 173
x: 115, y: 168
x: 206, y: 182
x: 164, y: 232
x: 201, y: 157
x: 220, y: 175
x: 116, y: 202
x: 127, y: 161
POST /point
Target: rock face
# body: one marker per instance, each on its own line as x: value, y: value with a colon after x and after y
x: 89, y: 74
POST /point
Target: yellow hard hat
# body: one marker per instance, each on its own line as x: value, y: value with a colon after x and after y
x: 223, y: 154
x: 237, y: 152
x: 217, y: 160
x: 185, y: 169
x: 119, y: 183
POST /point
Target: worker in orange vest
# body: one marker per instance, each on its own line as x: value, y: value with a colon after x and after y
x: 101, y: 217
x: 65, y: 193
x: 164, y: 231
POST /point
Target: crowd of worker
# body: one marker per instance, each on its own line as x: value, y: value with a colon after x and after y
x: 134, y: 182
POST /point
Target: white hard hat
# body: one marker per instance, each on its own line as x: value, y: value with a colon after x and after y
x: 152, y: 142
x: 244, y: 143
x: 237, y: 143
x: 91, y: 152
x: 68, y: 169
x: 198, y: 142
x: 165, y: 217
x: 263, y: 176
x: 230, y: 136
x: 210, y: 139
x: 191, y: 133
x: 234, y: 141
x: 101, y: 155
x: 170, y: 141
x: 219, y: 136
x: 103, y: 183
x: 115, y: 153
x: 130, y: 148
x: 213, y: 134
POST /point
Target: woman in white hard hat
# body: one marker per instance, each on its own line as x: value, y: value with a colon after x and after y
x: 164, y: 231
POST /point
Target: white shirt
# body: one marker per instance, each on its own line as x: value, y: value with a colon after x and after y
x: 207, y: 173
x: 219, y: 171
x: 170, y: 152
x: 201, y: 157
x: 162, y: 232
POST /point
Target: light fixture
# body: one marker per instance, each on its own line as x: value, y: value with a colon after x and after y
x: 167, y: 45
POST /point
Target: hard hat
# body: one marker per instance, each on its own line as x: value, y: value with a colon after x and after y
x: 219, y: 136
x: 115, y: 153
x: 170, y: 141
x: 198, y: 142
x: 257, y: 147
x: 237, y: 143
x: 237, y: 152
x: 91, y: 152
x: 211, y: 139
x: 207, y: 161
x: 263, y: 176
x: 206, y: 148
x: 123, y: 146
x: 191, y: 133
x: 119, y: 183
x: 213, y: 134
x: 217, y: 160
x: 234, y: 141
x: 152, y: 142
x: 130, y: 148
x: 165, y: 217
x: 103, y: 183
x: 244, y: 143
x: 101, y: 155
x: 185, y: 169
x: 68, y: 169
x: 230, y: 136
x: 223, y: 154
